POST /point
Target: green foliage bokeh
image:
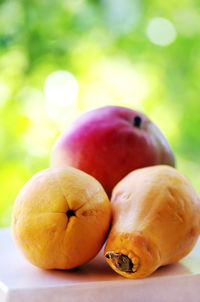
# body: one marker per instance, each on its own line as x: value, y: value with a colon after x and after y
x: 105, y: 45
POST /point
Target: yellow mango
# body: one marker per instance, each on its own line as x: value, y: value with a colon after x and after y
x: 61, y: 218
x: 155, y: 221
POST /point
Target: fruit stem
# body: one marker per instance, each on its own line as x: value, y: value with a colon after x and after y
x: 122, y: 262
x: 137, y: 121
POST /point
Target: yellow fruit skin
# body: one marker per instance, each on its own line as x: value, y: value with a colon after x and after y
x: 43, y: 231
x: 155, y: 219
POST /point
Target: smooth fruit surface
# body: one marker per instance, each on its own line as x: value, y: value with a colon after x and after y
x: 110, y: 142
x: 61, y: 218
x: 155, y: 221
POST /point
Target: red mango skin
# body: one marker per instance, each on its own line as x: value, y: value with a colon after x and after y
x: 106, y: 144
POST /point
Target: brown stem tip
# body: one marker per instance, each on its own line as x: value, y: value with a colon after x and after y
x: 137, y: 121
x: 122, y: 262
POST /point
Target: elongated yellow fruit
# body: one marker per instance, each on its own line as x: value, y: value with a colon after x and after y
x: 155, y: 221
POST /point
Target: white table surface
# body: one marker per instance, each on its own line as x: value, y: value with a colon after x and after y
x: 20, y: 281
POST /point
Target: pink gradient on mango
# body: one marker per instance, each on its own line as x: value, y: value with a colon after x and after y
x: 110, y: 142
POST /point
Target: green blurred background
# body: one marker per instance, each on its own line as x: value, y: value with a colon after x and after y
x: 61, y: 58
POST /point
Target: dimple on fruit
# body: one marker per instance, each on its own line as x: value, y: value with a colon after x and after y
x: 61, y: 218
x: 156, y: 221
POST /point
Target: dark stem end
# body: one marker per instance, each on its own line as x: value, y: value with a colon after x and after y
x: 137, y: 121
x: 122, y: 262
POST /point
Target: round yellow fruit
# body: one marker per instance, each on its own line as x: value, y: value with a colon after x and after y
x: 61, y: 218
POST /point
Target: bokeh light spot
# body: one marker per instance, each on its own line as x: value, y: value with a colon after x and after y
x: 161, y: 31
x: 61, y: 91
x: 61, y: 88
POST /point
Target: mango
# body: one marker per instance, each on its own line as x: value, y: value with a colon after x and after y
x: 109, y: 142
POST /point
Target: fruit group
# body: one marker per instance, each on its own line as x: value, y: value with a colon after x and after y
x: 110, y: 142
x: 61, y: 218
x: 155, y: 221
